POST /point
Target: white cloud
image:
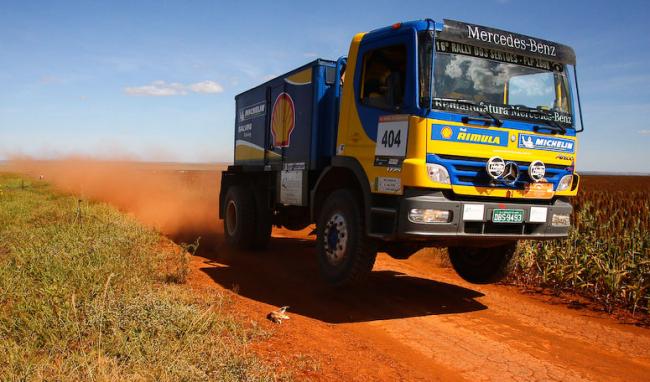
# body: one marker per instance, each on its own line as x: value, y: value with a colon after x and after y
x: 209, y: 87
x: 644, y: 132
x: 163, y: 89
x: 533, y: 85
x: 157, y: 89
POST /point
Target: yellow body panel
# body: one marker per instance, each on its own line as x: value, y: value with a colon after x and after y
x: 246, y: 151
x: 303, y: 77
x: 352, y: 140
x: 509, y: 152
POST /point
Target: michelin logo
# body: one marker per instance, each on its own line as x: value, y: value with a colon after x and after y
x: 545, y: 143
x: 252, y: 111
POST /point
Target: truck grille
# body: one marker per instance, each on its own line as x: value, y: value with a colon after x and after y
x: 470, y: 171
x: 503, y: 229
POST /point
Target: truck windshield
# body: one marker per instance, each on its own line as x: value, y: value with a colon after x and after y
x: 507, y: 85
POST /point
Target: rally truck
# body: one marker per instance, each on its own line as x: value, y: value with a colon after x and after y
x: 428, y: 134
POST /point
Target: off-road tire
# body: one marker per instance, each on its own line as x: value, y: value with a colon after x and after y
x: 402, y: 251
x: 263, y: 222
x: 239, y: 217
x: 482, y: 265
x: 341, y: 215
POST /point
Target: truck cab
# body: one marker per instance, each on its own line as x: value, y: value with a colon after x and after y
x: 443, y: 134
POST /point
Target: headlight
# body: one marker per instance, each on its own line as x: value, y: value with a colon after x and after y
x: 537, y: 170
x: 428, y: 216
x: 438, y: 173
x: 495, y: 167
x: 565, y: 183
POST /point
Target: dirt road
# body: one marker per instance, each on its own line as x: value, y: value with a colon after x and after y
x: 415, y: 320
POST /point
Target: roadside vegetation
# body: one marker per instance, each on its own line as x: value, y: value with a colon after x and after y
x: 607, y: 255
x: 87, y: 293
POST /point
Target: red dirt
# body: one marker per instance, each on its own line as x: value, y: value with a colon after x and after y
x: 414, y: 320
x: 180, y: 202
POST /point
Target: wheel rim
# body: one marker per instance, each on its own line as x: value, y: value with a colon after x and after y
x: 231, y: 217
x: 335, y: 238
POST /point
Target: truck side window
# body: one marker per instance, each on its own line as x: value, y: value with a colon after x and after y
x: 384, y: 77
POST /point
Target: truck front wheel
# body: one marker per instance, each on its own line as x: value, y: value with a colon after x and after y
x: 482, y: 265
x: 345, y: 254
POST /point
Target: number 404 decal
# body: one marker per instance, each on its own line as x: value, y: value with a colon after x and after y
x: 392, y: 135
x: 391, y: 138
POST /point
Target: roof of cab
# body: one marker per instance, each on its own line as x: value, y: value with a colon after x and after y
x: 450, y: 28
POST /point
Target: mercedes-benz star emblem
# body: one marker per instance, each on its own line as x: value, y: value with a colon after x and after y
x: 510, y: 173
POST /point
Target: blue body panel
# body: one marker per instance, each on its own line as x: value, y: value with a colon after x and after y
x: 507, y: 123
x: 311, y: 139
x: 471, y: 172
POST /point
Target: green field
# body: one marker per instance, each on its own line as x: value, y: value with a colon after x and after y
x: 87, y: 293
x: 607, y: 255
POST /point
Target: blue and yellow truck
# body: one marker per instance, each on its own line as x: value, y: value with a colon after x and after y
x: 428, y: 134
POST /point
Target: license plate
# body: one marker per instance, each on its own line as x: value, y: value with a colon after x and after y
x: 507, y: 216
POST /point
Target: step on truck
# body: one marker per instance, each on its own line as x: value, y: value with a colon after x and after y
x: 428, y: 134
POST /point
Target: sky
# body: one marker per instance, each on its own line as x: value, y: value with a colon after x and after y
x: 156, y: 80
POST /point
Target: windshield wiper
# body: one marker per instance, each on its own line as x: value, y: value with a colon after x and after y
x: 480, y: 110
x: 552, y: 125
x: 557, y: 128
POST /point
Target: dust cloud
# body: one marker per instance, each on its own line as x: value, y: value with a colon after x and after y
x: 179, y: 200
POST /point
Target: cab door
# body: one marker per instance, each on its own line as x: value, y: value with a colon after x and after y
x: 385, y: 94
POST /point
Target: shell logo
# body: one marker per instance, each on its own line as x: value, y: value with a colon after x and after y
x: 283, y: 120
x: 446, y: 132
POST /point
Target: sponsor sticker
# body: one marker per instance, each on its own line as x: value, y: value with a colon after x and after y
x: 252, y: 111
x: 473, y: 212
x: 538, y: 190
x: 245, y: 130
x: 469, y: 135
x: 389, y: 185
x: 538, y: 214
x: 291, y: 188
x: 298, y: 166
x: 283, y: 120
x: 392, y: 136
x: 504, y: 41
x: 536, y: 142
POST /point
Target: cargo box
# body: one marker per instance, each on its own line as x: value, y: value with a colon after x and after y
x: 288, y: 122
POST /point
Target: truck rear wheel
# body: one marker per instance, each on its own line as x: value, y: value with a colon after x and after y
x: 345, y: 254
x: 239, y: 217
x: 263, y: 222
x: 482, y: 265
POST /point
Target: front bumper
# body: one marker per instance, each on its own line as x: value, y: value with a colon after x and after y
x: 477, y: 226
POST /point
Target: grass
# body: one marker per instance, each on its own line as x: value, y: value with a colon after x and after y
x: 607, y: 254
x: 87, y: 293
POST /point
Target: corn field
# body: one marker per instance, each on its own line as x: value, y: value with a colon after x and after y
x: 607, y: 255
